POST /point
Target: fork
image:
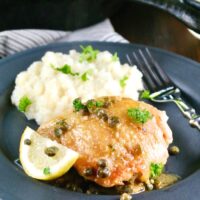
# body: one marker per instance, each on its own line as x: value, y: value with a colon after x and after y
x: 160, y: 86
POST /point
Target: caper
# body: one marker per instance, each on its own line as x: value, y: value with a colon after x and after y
x: 51, y: 151
x: 165, y: 180
x: 106, y: 104
x: 27, y: 141
x: 149, y: 186
x: 106, y: 99
x: 113, y: 101
x: 125, y: 196
x: 58, y: 132
x: 89, y: 172
x: 101, y: 114
x: 103, y: 172
x: 85, y: 112
x: 174, y: 150
x: 113, y: 121
x: 152, y: 181
x: 62, y: 124
x: 102, y: 163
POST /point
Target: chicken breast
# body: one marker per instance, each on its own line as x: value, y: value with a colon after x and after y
x: 113, y: 146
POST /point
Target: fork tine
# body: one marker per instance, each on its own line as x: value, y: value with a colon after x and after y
x: 129, y: 60
x: 147, y: 79
x: 131, y: 63
x: 150, y: 70
x: 163, y: 76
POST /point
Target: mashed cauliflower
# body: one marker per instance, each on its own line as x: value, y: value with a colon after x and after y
x: 52, y: 92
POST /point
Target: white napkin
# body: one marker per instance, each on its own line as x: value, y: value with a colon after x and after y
x: 13, y: 41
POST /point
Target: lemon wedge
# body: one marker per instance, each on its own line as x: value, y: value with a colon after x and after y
x: 43, y: 158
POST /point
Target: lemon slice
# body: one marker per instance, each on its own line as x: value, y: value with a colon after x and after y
x: 43, y: 158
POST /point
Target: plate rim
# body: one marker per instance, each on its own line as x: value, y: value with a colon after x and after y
x: 60, y: 44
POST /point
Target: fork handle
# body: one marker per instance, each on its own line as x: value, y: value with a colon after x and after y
x: 189, y: 112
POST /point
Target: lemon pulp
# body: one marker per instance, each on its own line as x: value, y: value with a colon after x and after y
x: 43, y: 158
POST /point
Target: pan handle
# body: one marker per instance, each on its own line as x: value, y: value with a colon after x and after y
x: 185, y: 11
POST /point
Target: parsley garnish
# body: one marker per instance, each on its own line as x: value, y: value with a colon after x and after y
x: 99, y: 103
x: 46, y: 171
x: 88, y: 54
x: 65, y: 69
x: 24, y: 102
x: 122, y: 81
x: 84, y: 76
x: 145, y: 94
x: 115, y: 57
x: 156, y: 169
x: 138, y: 115
x: 93, y: 103
x: 77, y: 104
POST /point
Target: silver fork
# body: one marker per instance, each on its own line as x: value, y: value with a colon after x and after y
x: 159, y: 84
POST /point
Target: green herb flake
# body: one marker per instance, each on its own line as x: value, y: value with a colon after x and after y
x: 77, y: 104
x: 138, y: 115
x: 84, y: 76
x: 46, y: 171
x: 122, y: 81
x: 145, y: 94
x: 115, y: 57
x: 66, y: 69
x: 88, y: 54
x: 24, y: 102
x: 99, y: 103
x: 93, y: 103
x: 156, y: 170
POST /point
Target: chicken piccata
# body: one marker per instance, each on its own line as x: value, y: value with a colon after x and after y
x: 117, y: 138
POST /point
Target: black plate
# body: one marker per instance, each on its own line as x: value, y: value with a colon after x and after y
x: 14, y: 184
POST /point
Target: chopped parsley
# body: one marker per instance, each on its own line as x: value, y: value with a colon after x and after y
x: 88, y: 54
x: 46, y: 171
x: 99, y: 104
x: 24, y: 102
x: 93, y: 103
x: 156, y: 170
x: 78, y: 105
x: 138, y: 115
x: 115, y: 57
x: 122, y: 81
x: 66, y: 69
x: 84, y: 76
x: 145, y: 94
